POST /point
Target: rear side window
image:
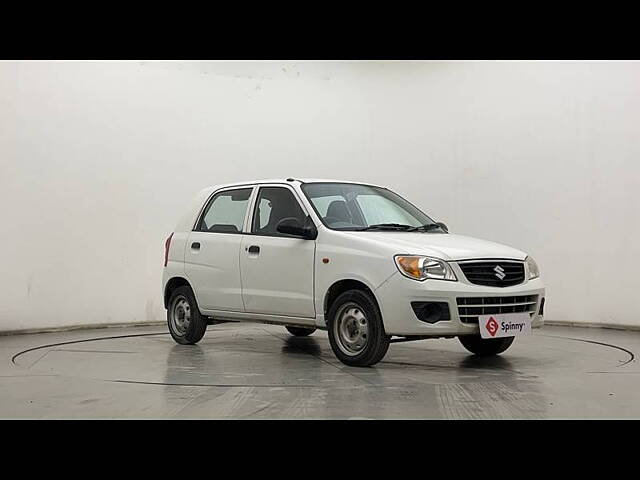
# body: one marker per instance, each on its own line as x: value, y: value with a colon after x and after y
x: 225, y: 212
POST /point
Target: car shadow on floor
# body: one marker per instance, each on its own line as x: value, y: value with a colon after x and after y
x: 297, y: 345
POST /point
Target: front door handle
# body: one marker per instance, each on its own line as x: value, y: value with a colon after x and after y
x: 254, y: 249
x: 195, y: 245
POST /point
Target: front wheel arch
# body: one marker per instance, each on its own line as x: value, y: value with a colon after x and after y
x: 341, y: 286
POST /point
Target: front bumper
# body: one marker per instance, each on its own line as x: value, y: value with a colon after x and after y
x: 396, y: 294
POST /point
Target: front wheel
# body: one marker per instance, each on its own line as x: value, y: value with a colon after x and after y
x: 355, y: 328
x: 186, y: 325
x: 485, y: 347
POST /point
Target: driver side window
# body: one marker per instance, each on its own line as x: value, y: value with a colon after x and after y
x: 274, y: 204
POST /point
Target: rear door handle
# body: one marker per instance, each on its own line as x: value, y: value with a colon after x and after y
x: 195, y: 245
x: 254, y: 249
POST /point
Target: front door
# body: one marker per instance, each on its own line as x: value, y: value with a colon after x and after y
x: 277, y: 269
x: 213, y: 249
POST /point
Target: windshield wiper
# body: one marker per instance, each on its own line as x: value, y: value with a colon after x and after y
x: 424, y: 228
x: 387, y: 226
x: 399, y: 227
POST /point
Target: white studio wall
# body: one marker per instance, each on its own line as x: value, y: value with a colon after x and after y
x: 98, y: 160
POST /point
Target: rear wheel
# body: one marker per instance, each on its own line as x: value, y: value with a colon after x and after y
x: 355, y: 328
x: 300, y: 331
x: 485, y: 346
x: 186, y: 325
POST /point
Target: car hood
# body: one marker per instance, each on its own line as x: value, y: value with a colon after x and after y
x: 444, y: 246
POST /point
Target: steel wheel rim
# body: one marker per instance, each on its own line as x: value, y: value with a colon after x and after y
x: 180, y: 315
x: 351, y: 329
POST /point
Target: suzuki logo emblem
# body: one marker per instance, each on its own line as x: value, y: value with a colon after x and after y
x: 499, y: 272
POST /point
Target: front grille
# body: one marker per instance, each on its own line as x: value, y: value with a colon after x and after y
x: 493, y: 273
x: 469, y: 308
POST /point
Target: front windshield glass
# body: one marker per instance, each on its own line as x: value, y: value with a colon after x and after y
x: 348, y: 206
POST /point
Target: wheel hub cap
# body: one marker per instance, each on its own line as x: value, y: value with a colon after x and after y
x: 180, y: 315
x: 351, y: 329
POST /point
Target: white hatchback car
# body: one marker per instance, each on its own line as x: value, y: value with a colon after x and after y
x: 357, y: 260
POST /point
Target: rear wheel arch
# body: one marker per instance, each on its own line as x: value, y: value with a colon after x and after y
x: 171, y: 285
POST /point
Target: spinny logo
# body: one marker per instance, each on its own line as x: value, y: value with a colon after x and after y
x: 492, y: 326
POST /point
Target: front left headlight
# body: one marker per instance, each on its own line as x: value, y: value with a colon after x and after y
x: 421, y: 268
x: 534, y: 271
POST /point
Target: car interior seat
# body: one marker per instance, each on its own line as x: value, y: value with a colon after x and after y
x: 338, y: 212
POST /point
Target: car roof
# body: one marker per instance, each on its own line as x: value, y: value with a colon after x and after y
x: 288, y: 180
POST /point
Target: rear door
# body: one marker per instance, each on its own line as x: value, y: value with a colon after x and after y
x: 213, y: 248
x: 277, y: 269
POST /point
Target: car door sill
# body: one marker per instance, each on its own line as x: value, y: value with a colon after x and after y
x: 260, y: 318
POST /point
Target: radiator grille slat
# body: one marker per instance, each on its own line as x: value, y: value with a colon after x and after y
x: 494, y: 273
x: 469, y: 308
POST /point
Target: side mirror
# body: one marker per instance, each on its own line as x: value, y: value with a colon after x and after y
x: 442, y: 226
x: 292, y: 226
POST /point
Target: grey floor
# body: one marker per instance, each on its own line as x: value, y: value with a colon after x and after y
x: 259, y: 371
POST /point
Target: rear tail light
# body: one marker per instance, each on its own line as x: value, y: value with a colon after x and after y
x: 167, y: 245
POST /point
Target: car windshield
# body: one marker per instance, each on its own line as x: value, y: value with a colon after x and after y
x: 349, y: 206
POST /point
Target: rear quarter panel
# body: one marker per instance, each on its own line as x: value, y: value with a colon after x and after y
x: 175, y: 262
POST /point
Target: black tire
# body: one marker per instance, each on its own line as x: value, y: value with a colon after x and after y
x: 376, y: 343
x: 197, y: 324
x: 485, y: 347
x: 300, y: 331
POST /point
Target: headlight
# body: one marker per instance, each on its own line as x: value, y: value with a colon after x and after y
x: 420, y: 268
x: 534, y: 271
